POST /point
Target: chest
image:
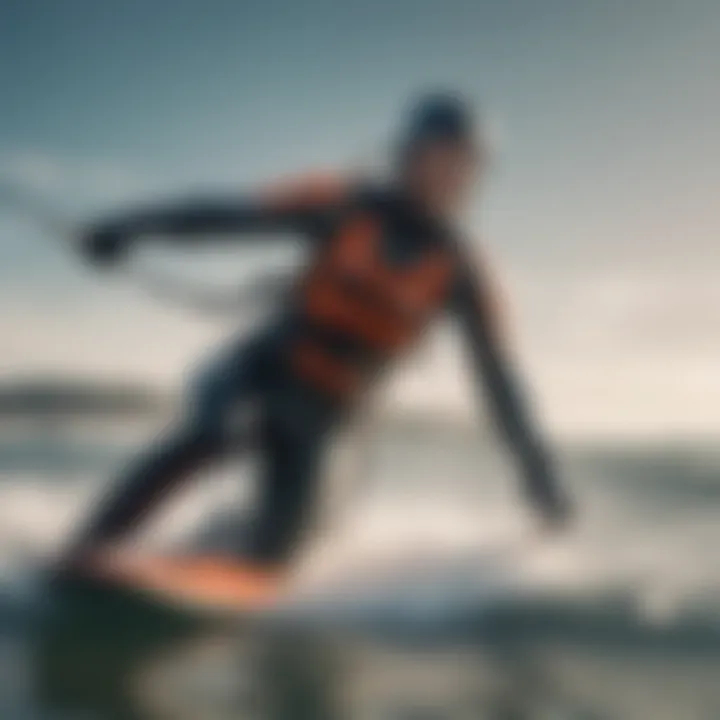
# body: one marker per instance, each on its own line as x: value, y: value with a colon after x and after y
x: 403, y: 262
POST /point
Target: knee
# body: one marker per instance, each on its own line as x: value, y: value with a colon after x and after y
x: 218, y: 415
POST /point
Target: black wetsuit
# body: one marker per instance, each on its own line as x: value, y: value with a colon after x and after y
x: 257, y: 399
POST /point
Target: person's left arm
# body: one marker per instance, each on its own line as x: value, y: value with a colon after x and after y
x: 475, y: 305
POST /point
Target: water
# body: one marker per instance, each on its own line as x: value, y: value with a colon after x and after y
x: 621, y: 619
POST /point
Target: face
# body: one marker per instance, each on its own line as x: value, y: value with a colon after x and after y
x: 442, y: 174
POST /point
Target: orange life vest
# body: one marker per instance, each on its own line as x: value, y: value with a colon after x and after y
x: 353, y: 293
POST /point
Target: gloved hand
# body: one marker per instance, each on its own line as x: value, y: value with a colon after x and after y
x: 556, y: 512
x: 106, y: 243
x: 546, y: 495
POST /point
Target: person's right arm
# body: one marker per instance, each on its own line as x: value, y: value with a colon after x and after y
x: 300, y: 208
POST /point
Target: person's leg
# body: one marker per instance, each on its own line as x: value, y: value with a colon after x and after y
x: 292, y: 456
x: 206, y: 433
x: 145, y: 481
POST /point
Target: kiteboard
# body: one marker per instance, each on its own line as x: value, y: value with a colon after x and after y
x: 210, y: 583
x: 400, y: 592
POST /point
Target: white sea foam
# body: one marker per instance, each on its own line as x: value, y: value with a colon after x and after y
x: 420, y: 517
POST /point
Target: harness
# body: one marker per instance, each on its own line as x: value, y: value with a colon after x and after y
x: 352, y: 293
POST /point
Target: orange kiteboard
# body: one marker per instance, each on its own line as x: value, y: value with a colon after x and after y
x: 210, y: 582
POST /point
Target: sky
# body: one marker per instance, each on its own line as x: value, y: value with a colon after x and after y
x: 601, y: 210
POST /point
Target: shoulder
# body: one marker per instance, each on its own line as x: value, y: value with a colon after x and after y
x: 317, y: 189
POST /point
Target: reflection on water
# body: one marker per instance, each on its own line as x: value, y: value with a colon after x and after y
x: 118, y: 657
x: 641, y: 641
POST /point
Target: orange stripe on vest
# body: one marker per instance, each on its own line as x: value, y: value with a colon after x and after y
x: 326, y: 372
x: 351, y: 290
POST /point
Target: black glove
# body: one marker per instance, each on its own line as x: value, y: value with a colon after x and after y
x: 557, y: 511
x: 545, y: 493
x: 106, y: 243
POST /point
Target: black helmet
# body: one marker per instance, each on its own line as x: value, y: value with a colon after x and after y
x: 438, y: 116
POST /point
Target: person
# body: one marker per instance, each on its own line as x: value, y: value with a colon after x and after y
x: 386, y: 260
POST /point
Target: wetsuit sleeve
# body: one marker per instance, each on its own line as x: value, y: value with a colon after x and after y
x: 195, y: 217
x: 472, y: 303
x: 302, y: 207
